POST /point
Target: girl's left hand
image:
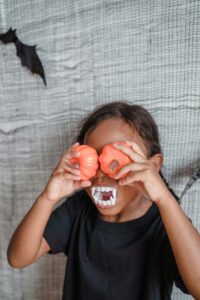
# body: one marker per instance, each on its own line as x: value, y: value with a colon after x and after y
x: 142, y: 173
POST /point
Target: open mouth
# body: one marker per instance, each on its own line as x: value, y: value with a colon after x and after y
x: 105, y: 196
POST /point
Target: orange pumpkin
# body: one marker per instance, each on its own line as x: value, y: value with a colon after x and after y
x: 112, y: 160
x: 87, y: 160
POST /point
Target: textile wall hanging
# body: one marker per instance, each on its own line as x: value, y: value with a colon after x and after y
x: 93, y: 52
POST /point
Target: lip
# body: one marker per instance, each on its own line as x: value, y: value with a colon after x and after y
x: 105, y: 207
x: 103, y: 184
x: 100, y: 184
x: 98, y: 205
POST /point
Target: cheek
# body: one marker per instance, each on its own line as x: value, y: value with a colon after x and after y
x: 126, y: 193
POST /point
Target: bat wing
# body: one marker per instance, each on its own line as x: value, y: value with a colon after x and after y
x: 30, y: 59
x: 27, y: 54
x: 8, y: 37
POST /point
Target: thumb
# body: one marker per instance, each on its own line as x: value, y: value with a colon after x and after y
x: 82, y: 184
x: 140, y: 187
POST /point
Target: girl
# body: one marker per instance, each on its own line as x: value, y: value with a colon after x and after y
x: 134, y: 248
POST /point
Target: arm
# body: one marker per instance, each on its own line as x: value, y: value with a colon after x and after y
x: 184, y: 238
x: 27, y: 239
x: 27, y: 243
x: 185, y: 242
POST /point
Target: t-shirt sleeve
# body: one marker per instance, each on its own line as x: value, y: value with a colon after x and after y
x: 179, y: 282
x: 171, y: 266
x: 59, y: 226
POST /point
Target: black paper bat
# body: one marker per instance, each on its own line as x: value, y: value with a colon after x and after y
x: 27, y: 54
x: 194, y: 177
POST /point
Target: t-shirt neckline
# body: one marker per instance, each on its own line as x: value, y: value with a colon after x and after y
x: 135, y: 224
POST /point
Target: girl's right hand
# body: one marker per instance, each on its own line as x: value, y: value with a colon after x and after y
x: 65, y: 178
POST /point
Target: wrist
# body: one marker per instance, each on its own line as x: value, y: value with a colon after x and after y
x: 43, y: 199
x: 165, y: 200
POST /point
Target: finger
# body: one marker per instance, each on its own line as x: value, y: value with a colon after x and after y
x: 75, y: 144
x: 136, y: 148
x: 69, y: 176
x: 130, y: 152
x: 71, y: 152
x: 132, y: 177
x: 71, y: 169
x: 72, y: 164
x: 65, y: 159
x: 135, y: 180
x: 132, y: 167
x: 69, y: 158
x: 65, y: 165
x: 82, y: 184
x: 140, y: 187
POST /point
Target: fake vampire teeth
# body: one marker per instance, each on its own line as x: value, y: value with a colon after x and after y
x: 104, y: 196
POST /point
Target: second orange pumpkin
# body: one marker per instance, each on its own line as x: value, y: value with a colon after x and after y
x: 112, y: 160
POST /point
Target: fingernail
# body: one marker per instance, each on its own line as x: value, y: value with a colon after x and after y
x: 76, y: 153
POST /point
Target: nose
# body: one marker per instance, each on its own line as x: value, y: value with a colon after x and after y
x: 99, y: 175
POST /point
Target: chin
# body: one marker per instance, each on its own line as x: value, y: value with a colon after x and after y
x: 108, y: 211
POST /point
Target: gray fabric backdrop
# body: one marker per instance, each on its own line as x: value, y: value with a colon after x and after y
x: 147, y: 52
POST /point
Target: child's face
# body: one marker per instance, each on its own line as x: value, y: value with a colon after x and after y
x: 108, y: 131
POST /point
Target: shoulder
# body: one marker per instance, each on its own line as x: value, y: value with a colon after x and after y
x: 72, y: 207
x: 63, y: 220
x: 78, y: 202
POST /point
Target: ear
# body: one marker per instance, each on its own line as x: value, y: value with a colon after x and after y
x: 157, y: 160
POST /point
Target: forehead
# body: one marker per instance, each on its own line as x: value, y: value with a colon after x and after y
x: 112, y: 130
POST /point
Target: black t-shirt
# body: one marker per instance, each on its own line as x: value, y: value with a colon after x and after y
x: 131, y: 260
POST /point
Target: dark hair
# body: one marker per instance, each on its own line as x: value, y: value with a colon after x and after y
x: 134, y: 115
